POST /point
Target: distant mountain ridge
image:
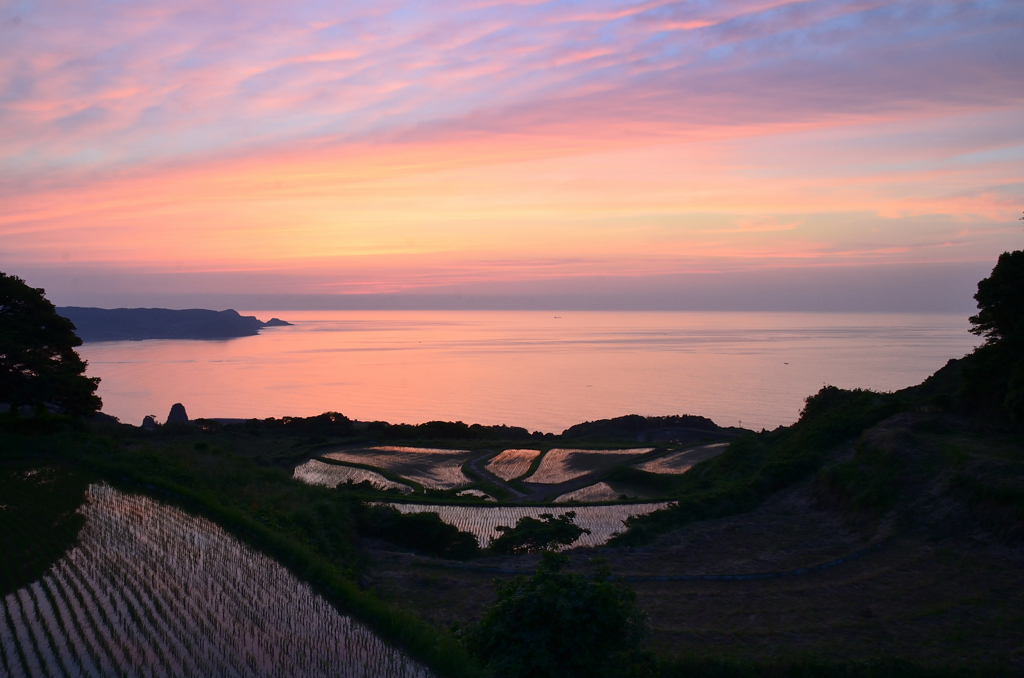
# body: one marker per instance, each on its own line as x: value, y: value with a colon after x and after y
x: 136, y: 324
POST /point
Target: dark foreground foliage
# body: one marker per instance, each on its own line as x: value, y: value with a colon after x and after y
x: 557, y: 624
x: 39, y: 521
x: 531, y: 535
x: 423, y: 532
x: 714, y: 666
x: 993, y: 381
x: 39, y: 367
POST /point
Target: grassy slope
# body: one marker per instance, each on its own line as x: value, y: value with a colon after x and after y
x: 759, y: 464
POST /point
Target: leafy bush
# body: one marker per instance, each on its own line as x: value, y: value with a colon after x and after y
x: 557, y: 624
x: 533, y: 536
x: 39, y: 519
x: 423, y: 532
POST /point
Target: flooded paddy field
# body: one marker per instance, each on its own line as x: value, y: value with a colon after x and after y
x: 560, y: 465
x: 683, y: 460
x: 603, y: 521
x: 315, y: 472
x: 151, y: 590
x: 436, y: 469
x: 512, y: 464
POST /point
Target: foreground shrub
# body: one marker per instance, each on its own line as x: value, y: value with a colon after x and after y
x: 423, y: 532
x: 559, y: 624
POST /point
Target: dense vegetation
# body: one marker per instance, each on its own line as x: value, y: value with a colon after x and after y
x: 39, y: 367
x: 423, y: 532
x: 558, y: 624
x: 38, y: 517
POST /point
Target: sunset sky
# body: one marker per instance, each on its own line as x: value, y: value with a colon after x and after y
x: 858, y: 154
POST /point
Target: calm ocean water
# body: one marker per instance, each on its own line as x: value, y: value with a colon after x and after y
x: 541, y: 370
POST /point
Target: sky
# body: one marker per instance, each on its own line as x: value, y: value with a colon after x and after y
x: 729, y: 154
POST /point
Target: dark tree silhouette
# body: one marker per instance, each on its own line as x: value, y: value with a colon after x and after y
x: 559, y: 624
x: 995, y: 374
x: 1000, y: 300
x: 39, y: 366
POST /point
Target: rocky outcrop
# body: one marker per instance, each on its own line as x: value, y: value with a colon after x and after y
x: 177, y: 414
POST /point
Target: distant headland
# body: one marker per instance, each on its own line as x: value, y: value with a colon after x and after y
x: 136, y: 324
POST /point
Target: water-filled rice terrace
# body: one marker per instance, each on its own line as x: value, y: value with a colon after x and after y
x: 482, y: 521
x: 315, y: 472
x: 436, y: 469
x: 596, y: 492
x: 561, y: 464
x: 683, y: 460
x: 150, y: 590
x: 511, y: 464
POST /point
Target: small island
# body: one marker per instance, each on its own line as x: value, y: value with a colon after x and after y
x: 137, y: 324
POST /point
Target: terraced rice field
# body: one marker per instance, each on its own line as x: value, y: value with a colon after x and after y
x: 434, y: 468
x: 683, y: 460
x: 511, y: 464
x: 595, y: 492
x: 481, y: 521
x: 315, y: 472
x: 153, y: 591
x: 562, y: 464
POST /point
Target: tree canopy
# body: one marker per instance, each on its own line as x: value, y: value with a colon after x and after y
x: 558, y: 624
x: 995, y: 373
x: 1000, y: 300
x: 39, y: 366
x: 533, y: 536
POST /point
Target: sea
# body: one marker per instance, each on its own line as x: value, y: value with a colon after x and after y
x: 541, y: 370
